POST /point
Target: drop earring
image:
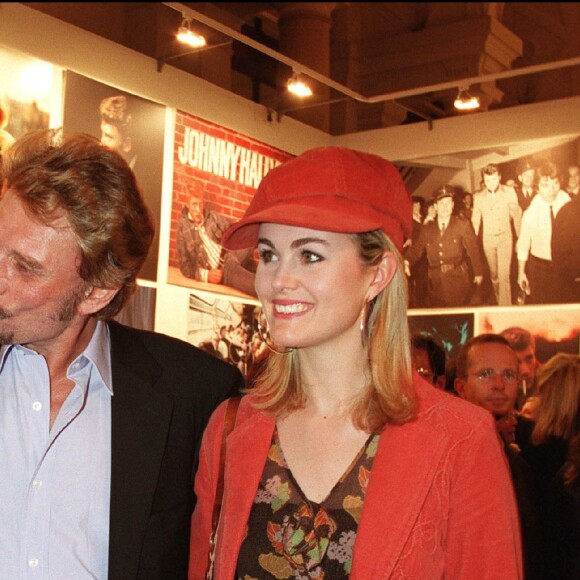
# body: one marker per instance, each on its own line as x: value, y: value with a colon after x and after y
x: 363, y: 324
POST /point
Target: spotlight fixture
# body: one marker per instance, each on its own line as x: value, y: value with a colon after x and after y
x: 298, y: 87
x: 465, y: 102
x: 188, y: 36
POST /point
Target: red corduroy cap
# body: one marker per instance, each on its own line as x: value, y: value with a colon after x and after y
x: 331, y: 189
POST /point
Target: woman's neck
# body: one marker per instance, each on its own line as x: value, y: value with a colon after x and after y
x: 332, y: 380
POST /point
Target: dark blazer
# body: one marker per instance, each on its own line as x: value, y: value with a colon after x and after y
x: 527, y: 500
x: 164, y: 393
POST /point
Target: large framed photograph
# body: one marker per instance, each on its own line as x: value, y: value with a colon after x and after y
x: 496, y: 227
x: 131, y: 125
x: 557, y: 330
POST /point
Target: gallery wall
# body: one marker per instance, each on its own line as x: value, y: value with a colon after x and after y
x: 190, y: 308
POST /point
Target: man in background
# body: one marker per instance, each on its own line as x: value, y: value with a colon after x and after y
x: 535, y: 274
x: 524, y: 345
x: 573, y: 181
x: 487, y: 375
x: 100, y: 423
x: 525, y: 186
x: 428, y: 359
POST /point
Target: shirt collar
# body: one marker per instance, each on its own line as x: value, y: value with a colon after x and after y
x: 4, y: 350
x: 96, y: 352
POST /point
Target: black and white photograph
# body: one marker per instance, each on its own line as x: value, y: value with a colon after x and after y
x: 227, y: 329
x: 501, y: 232
x: 129, y: 124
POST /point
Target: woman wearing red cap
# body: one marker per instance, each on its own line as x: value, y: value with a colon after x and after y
x: 343, y: 462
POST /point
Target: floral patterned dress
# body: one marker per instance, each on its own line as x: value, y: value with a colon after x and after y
x: 289, y: 536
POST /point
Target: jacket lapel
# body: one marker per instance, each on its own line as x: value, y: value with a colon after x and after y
x: 139, y: 424
x: 400, y: 480
x: 247, y: 450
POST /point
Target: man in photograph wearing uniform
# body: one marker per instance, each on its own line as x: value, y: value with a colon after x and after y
x: 455, y: 262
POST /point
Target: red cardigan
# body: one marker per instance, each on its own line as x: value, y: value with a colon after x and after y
x: 440, y: 502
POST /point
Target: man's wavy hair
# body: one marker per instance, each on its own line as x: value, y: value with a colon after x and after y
x: 97, y: 192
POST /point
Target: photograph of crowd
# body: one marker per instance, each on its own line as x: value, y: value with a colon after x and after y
x: 226, y: 329
x: 509, y: 242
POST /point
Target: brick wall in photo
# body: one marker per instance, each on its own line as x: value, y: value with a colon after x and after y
x: 224, y: 165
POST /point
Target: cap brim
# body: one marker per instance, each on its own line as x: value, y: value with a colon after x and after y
x: 344, y: 216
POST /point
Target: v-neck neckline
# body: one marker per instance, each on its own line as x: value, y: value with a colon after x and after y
x: 340, y: 480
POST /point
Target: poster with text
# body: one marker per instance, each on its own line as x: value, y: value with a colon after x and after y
x: 216, y: 173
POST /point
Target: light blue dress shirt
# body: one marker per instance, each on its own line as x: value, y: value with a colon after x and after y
x: 55, y: 485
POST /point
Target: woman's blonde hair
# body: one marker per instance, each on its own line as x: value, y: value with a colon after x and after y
x: 389, y: 397
x: 559, y: 386
x: 559, y: 389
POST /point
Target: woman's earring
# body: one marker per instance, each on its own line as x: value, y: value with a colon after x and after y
x: 265, y: 336
x: 363, y: 324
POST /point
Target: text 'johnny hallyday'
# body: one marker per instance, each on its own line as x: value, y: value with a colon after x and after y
x: 224, y: 158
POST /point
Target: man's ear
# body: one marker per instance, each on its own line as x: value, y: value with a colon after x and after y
x: 384, y: 272
x: 459, y: 386
x: 95, y: 299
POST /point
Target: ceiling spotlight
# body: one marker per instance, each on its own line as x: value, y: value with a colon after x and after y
x: 298, y: 87
x: 466, y: 102
x: 187, y: 36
